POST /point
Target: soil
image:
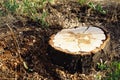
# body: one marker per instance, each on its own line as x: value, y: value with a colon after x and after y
x: 22, y: 36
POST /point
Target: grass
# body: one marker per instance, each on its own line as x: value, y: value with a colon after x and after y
x: 102, y: 65
x: 112, y: 70
x: 11, y: 5
x: 96, y: 7
x: 82, y: 2
x: 34, y: 9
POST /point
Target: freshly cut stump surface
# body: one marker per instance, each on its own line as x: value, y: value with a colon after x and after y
x: 79, y: 43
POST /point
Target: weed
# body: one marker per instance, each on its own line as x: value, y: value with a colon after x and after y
x: 82, y: 2
x: 44, y: 14
x: 100, y: 9
x: 1, y: 13
x: 97, y: 7
x: 29, y: 9
x: 11, y: 5
x: 98, y: 76
x: 113, y: 71
x: 102, y: 65
x: 91, y: 5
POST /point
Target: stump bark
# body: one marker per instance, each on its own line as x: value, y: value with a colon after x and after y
x: 79, y: 49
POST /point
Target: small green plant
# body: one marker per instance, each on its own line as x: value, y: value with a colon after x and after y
x: 98, y: 76
x: 113, y: 71
x: 28, y: 8
x: 97, y: 7
x: 44, y: 14
x: 11, y: 5
x: 102, y: 65
x: 2, y: 13
x: 82, y: 1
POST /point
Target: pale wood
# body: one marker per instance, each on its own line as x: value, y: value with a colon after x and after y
x: 76, y: 40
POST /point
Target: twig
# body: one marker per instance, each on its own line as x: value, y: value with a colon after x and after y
x: 17, y: 47
x: 15, y: 40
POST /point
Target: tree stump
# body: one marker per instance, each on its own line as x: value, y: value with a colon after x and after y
x: 79, y: 49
